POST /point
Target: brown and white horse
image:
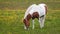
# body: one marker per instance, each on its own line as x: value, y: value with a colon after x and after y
x: 35, y: 11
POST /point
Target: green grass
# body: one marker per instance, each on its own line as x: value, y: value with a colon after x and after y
x: 11, y: 23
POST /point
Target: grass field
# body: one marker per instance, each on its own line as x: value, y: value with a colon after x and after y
x: 11, y: 23
x: 11, y: 17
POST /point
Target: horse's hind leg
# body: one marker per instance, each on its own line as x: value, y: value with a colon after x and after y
x: 41, y: 21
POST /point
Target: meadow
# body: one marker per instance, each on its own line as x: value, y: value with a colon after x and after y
x: 11, y: 19
x: 11, y: 23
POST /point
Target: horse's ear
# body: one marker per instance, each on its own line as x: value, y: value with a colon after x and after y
x: 23, y: 20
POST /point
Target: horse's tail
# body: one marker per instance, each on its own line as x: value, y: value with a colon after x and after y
x: 46, y: 8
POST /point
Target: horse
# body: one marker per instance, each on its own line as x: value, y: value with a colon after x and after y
x: 35, y: 11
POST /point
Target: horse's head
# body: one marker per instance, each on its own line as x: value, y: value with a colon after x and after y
x: 26, y: 22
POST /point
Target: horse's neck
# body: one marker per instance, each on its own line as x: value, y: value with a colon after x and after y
x: 29, y: 10
x: 28, y: 17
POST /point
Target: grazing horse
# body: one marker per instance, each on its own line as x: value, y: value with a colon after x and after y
x: 35, y: 11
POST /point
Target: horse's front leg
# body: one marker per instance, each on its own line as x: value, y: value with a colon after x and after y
x: 32, y: 24
x: 25, y: 27
x: 41, y: 21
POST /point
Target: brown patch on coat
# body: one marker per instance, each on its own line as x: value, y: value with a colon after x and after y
x: 26, y: 21
x: 35, y: 15
x: 28, y: 17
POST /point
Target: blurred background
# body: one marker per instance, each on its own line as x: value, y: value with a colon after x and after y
x: 23, y: 4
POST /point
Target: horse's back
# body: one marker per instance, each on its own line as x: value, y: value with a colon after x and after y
x: 36, y: 8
